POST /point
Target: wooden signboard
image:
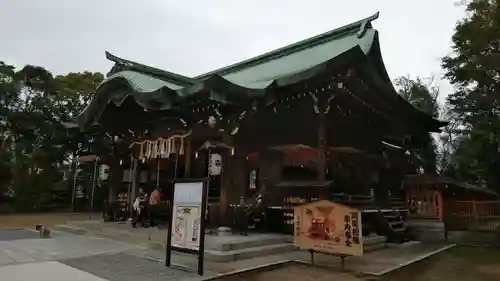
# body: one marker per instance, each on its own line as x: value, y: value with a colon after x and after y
x: 327, y: 227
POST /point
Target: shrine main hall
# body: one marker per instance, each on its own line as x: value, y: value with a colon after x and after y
x: 318, y: 119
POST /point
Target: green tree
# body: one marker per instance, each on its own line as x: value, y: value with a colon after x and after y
x: 8, y: 102
x: 35, y: 145
x: 74, y: 91
x: 474, y: 71
x: 422, y: 95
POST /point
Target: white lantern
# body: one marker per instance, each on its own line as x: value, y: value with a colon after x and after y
x: 104, y: 172
x: 212, y: 122
x: 215, y: 167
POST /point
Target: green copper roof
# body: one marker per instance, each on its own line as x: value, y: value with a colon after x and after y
x: 157, y: 89
x: 260, y: 72
x: 140, y: 82
x: 123, y: 65
x: 296, y: 58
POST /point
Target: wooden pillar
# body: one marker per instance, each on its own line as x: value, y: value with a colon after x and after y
x: 441, y: 205
x: 270, y: 173
x: 322, y: 146
x: 475, y: 215
x: 226, y: 187
x: 187, y: 157
x: 116, y: 178
x: 151, y: 168
x: 201, y: 164
x: 136, y: 181
x: 239, y: 178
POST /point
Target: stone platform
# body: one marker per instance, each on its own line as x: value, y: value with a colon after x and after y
x: 223, y: 248
x: 375, y: 263
x: 431, y: 231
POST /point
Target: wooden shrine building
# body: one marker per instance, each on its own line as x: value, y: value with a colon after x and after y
x: 320, y: 112
x: 430, y: 196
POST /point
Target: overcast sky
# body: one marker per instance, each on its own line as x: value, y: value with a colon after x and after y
x: 191, y: 37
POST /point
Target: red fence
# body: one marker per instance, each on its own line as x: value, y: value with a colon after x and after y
x: 473, y: 215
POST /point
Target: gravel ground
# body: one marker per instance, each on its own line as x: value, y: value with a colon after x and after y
x: 293, y: 272
x: 29, y: 221
x: 460, y: 264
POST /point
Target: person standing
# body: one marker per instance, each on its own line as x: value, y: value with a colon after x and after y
x: 154, y: 206
x: 155, y: 197
x: 139, y: 207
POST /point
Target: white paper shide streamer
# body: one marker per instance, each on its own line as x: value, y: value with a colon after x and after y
x: 161, y: 148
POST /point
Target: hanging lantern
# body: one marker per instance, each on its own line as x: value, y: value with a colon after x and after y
x: 212, y: 122
x: 104, y: 172
x: 215, y: 167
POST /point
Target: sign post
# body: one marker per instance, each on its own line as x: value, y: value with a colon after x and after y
x: 186, y: 231
x: 329, y: 228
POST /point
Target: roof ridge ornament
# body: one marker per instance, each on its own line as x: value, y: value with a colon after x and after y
x: 367, y: 24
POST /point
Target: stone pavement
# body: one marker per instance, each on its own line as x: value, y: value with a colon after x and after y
x: 15, y: 234
x: 61, y: 247
x: 23, y: 252
x: 127, y: 267
x: 374, y: 263
x: 81, y: 257
x: 45, y: 271
x: 122, y: 231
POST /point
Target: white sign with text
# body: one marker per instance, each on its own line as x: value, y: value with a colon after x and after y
x: 187, y: 215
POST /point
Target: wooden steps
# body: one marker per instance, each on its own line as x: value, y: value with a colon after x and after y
x: 394, y: 226
x: 389, y: 221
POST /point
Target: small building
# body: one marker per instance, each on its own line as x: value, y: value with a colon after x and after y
x: 438, y: 204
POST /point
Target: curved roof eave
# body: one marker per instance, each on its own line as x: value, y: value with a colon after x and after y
x: 163, y: 95
x: 375, y: 56
x: 123, y: 64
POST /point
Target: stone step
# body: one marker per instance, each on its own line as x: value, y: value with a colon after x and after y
x: 392, y: 215
x: 241, y: 254
x: 244, y: 248
x: 374, y: 242
x: 374, y: 239
x: 397, y: 226
x: 403, y: 245
x: 264, y: 240
x: 373, y: 247
x: 399, y: 229
x: 425, y: 224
